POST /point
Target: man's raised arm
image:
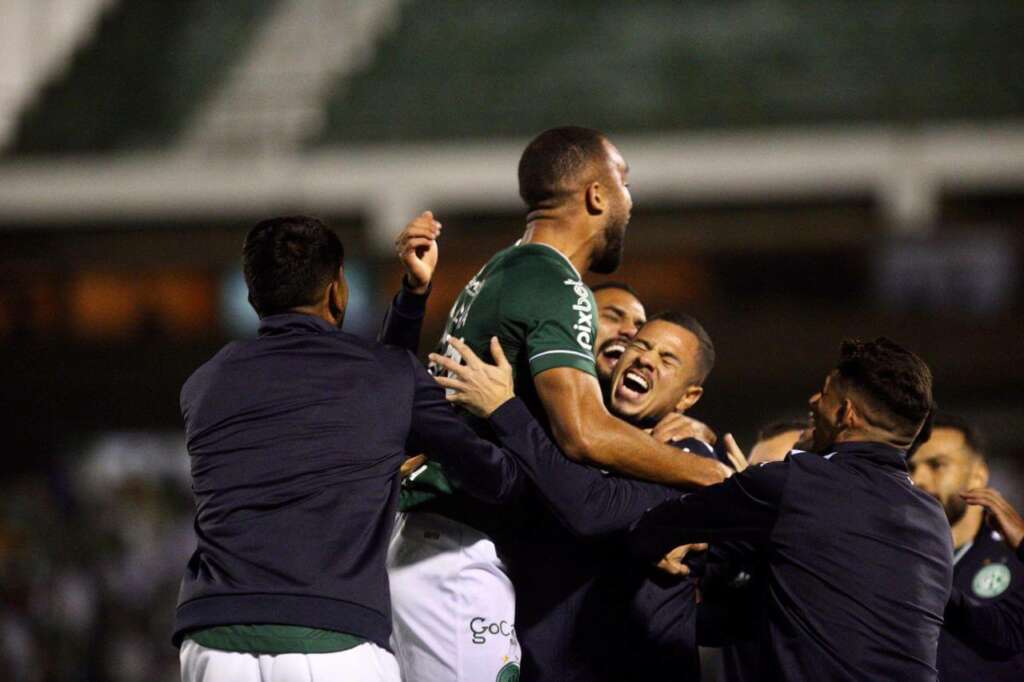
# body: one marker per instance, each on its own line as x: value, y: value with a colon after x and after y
x: 416, y: 248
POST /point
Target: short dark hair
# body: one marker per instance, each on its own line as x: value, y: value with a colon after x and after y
x: 706, y: 349
x: 892, y: 377
x: 974, y: 438
x: 781, y: 426
x: 622, y: 286
x: 288, y: 261
x: 554, y: 160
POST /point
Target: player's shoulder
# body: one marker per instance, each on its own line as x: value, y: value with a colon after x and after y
x: 382, y: 355
x: 538, y: 259
x: 538, y: 279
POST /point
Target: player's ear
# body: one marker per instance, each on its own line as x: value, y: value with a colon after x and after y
x: 594, y: 199
x: 846, y: 414
x: 690, y: 397
x: 337, y: 296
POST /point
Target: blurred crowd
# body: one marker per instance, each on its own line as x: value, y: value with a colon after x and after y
x: 91, y: 552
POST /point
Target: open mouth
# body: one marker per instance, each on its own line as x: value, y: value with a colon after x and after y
x: 634, y: 385
x: 613, y: 351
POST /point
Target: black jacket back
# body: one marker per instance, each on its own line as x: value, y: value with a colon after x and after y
x: 295, y: 439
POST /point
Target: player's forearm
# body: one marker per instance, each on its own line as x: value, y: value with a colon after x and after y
x: 614, y: 445
x: 741, y: 508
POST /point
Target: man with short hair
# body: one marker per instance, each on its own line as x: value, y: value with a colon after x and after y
x: 859, y: 566
x: 682, y: 359
x: 532, y: 297
x: 859, y: 559
x: 983, y: 635
x: 621, y: 314
x: 295, y: 440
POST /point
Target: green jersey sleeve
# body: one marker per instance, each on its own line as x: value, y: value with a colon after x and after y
x: 557, y: 311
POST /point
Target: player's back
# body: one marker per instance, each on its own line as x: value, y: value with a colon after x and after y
x: 532, y: 298
x: 860, y: 564
x: 295, y: 439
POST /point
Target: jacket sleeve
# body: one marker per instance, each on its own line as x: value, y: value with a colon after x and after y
x: 586, y: 501
x: 998, y: 624
x: 743, y: 507
x: 404, y: 320
x: 477, y: 466
x: 663, y: 609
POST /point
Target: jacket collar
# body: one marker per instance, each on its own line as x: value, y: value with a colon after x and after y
x: 294, y: 323
x: 880, y: 453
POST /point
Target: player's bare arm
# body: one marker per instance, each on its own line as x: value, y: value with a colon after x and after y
x: 587, y: 432
x: 578, y: 417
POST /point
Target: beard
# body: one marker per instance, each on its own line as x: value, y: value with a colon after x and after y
x: 610, y: 256
x: 955, y: 508
x: 819, y: 438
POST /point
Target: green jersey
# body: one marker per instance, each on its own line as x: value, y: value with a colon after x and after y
x: 532, y: 298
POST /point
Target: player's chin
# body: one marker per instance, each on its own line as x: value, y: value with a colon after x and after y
x: 628, y: 406
x: 605, y: 366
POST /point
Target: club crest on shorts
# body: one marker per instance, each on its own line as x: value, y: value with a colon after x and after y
x: 508, y: 673
x: 991, y: 581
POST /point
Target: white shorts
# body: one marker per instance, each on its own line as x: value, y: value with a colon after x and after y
x: 364, y: 663
x: 452, y: 603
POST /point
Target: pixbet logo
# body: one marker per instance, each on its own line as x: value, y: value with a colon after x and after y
x: 480, y: 629
x: 584, y: 326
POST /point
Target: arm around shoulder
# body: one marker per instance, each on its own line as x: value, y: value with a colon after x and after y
x: 480, y: 467
x: 587, y: 432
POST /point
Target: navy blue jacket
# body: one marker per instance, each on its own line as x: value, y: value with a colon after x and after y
x: 859, y: 561
x: 295, y: 439
x: 983, y: 638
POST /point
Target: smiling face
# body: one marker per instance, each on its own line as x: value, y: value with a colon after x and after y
x: 621, y: 315
x: 827, y: 411
x: 658, y: 374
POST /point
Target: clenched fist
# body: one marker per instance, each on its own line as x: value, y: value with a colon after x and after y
x: 416, y: 247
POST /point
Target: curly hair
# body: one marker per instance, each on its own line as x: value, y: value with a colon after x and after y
x: 895, y: 378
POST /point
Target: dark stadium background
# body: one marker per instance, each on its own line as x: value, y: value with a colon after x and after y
x: 802, y: 171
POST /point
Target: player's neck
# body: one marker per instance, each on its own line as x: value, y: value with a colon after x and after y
x: 872, y: 435
x: 560, y: 235
x: 321, y: 310
x: 968, y: 526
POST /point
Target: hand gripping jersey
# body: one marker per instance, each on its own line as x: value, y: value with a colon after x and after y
x: 532, y: 298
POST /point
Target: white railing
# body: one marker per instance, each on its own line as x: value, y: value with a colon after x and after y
x: 906, y: 171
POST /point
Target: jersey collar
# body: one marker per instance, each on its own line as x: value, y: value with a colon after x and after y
x: 564, y: 257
